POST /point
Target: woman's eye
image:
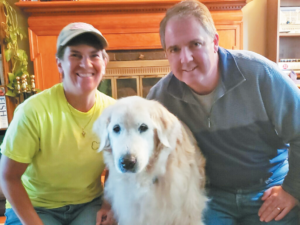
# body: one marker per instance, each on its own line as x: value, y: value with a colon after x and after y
x: 75, y: 55
x: 143, y: 128
x: 95, y: 56
x: 116, y: 128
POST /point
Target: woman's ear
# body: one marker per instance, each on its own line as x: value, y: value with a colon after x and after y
x: 105, y: 62
x: 59, y: 66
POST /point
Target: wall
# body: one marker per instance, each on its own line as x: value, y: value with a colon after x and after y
x: 255, y: 22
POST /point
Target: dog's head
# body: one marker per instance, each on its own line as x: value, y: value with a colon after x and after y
x: 132, y: 129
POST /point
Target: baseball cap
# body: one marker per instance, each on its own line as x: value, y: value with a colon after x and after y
x: 72, y: 30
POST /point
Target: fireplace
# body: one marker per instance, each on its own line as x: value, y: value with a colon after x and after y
x: 133, y: 72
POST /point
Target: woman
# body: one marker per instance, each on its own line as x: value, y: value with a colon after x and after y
x: 50, y: 167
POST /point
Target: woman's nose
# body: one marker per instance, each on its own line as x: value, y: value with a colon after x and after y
x: 86, y: 62
x: 186, y: 55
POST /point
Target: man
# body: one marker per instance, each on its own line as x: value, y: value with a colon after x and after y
x: 244, y: 115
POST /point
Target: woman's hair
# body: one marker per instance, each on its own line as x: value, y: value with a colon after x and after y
x: 186, y: 9
x: 86, y: 39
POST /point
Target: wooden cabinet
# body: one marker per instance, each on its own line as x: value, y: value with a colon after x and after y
x: 283, y: 34
x: 126, y: 24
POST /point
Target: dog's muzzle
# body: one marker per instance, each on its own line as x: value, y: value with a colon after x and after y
x: 128, y: 163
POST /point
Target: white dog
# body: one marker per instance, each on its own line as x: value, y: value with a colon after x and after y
x: 156, y: 171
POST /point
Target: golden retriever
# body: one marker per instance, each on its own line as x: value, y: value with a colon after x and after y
x: 156, y: 171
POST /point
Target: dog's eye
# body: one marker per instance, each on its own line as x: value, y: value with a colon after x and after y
x: 143, y: 128
x: 117, y: 128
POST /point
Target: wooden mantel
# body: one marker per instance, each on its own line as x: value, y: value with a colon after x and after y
x: 34, y: 8
x: 126, y: 24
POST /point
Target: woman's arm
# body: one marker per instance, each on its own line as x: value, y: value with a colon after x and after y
x: 10, y: 179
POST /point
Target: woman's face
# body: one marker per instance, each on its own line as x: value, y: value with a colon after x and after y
x: 82, y: 67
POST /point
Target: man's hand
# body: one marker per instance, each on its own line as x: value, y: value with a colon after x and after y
x: 277, y: 204
x: 105, y: 215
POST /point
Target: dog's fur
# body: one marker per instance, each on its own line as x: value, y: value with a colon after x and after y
x: 167, y: 185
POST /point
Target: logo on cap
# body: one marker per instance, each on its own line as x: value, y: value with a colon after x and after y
x: 80, y: 26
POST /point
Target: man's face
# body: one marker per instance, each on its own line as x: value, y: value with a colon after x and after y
x: 192, y: 53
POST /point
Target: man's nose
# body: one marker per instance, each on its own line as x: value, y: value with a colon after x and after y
x: 186, y: 55
x: 86, y: 62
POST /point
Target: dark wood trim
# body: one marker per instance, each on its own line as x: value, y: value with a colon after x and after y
x: 118, y: 6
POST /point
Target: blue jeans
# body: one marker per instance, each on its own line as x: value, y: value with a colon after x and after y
x: 81, y: 214
x: 240, y: 207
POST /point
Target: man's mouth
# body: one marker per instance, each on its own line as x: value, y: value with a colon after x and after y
x: 189, y: 69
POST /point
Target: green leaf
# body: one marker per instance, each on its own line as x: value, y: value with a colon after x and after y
x: 19, y: 73
x: 11, y: 93
x: 23, y: 33
x: 13, y: 37
x: 11, y: 77
x: 10, y: 86
x: 7, y: 54
x: 25, y: 56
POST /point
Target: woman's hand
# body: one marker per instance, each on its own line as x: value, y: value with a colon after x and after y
x: 105, y: 215
x: 10, y: 179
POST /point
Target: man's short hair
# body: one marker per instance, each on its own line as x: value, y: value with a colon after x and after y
x: 185, y: 9
x: 86, y: 39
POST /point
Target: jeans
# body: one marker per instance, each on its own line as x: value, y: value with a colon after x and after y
x: 240, y: 207
x: 81, y: 214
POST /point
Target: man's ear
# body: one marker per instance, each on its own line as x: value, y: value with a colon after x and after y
x: 216, y: 43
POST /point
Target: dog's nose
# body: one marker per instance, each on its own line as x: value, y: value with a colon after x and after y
x: 128, y: 163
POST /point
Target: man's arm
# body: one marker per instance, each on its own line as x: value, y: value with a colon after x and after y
x: 282, y: 101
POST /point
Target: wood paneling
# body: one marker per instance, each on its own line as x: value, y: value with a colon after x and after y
x: 126, y: 24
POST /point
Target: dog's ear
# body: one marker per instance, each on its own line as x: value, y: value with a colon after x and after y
x: 164, y: 123
x: 100, y: 128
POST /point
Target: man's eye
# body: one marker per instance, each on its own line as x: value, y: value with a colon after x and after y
x: 143, y: 128
x: 117, y: 129
x: 173, y: 50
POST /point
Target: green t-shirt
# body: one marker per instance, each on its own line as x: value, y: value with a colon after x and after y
x: 64, y: 167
